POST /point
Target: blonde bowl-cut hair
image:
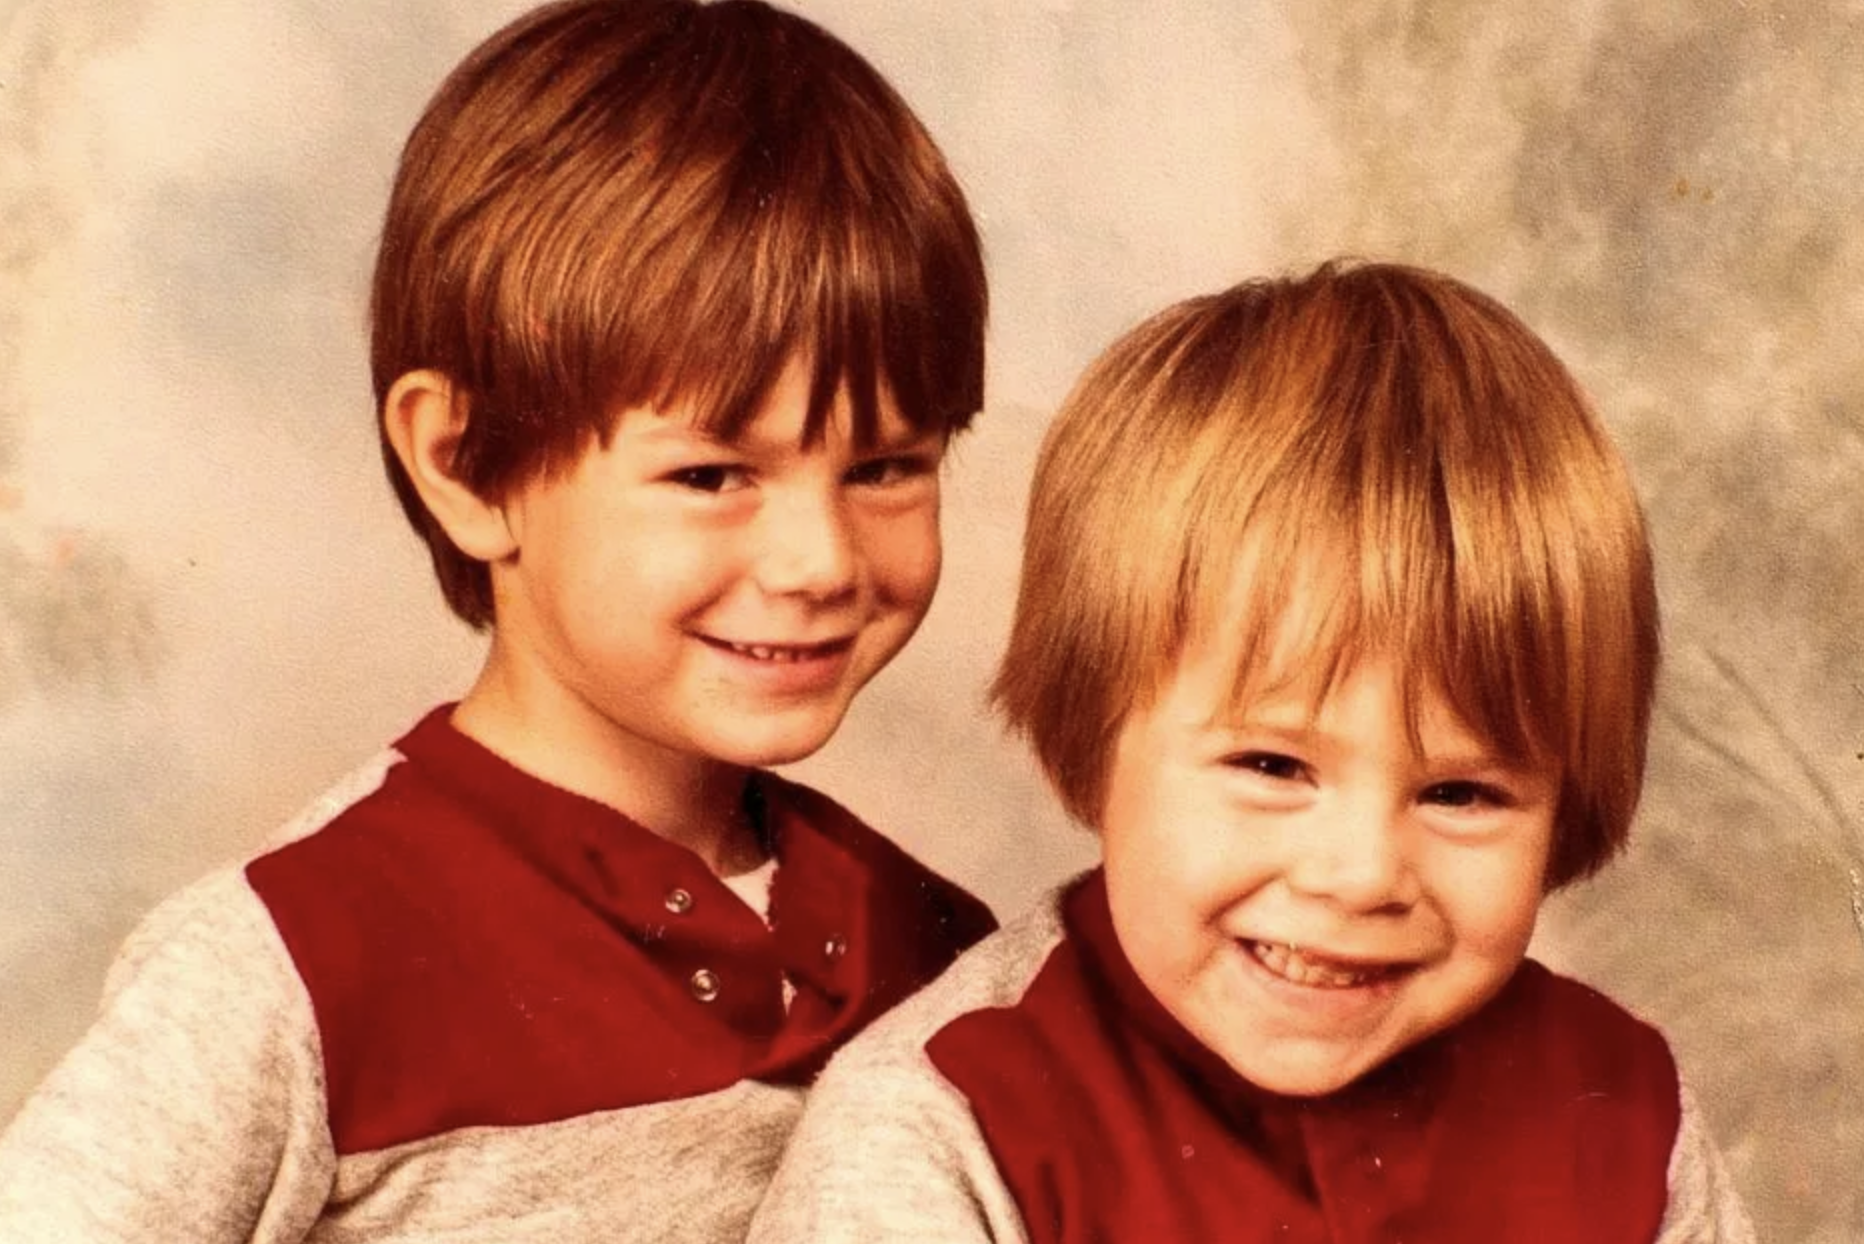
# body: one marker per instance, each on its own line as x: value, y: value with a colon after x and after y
x: 621, y: 203
x: 1394, y: 451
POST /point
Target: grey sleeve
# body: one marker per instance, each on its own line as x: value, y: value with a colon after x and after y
x: 887, y: 1149
x: 194, y: 1107
x: 1704, y: 1206
x: 887, y: 1152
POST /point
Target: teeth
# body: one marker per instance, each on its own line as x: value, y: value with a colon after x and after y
x: 764, y: 652
x: 1290, y: 964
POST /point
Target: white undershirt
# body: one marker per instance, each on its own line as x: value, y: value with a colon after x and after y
x: 754, y: 887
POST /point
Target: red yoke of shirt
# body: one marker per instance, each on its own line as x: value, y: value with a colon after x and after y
x: 484, y: 949
x: 1546, y: 1118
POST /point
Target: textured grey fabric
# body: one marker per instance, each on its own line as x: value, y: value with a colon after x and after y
x: 888, y: 1149
x: 1705, y: 1207
x: 675, y: 1171
x: 194, y: 1110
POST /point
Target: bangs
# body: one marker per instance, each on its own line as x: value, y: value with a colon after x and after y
x: 1320, y: 589
x: 802, y: 256
x: 804, y: 213
x: 1407, y: 495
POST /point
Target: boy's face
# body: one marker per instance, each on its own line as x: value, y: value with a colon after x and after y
x: 674, y: 598
x: 1310, y: 896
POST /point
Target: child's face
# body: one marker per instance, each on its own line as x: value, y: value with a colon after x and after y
x: 1308, y: 897
x: 674, y: 597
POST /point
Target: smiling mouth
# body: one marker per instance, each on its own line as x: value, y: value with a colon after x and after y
x: 782, y: 654
x: 1299, y: 967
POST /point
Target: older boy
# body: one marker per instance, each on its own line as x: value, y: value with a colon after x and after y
x: 1337, y: 621
x: 676, y: 308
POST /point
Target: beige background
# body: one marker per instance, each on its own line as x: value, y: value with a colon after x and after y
x: 209, y: 607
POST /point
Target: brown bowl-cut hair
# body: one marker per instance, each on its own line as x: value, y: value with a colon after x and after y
x: 1389, y: 452
x: 621, y: 203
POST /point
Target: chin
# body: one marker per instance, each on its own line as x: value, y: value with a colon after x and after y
x: 777, y: 747
x: 1317, y: 1084
x: 1303, y: 1078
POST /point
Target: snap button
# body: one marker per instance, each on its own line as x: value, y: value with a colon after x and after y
x: 835, y: 948
x: 704, y: 985
x: 679, y: 901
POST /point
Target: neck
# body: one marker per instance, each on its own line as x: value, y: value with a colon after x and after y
x: 694, y: 801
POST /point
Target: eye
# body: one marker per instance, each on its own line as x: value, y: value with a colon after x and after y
x: 1465, y: 794
x: 892, y: 469
x: 1272, y: 765
x: 712, y: 477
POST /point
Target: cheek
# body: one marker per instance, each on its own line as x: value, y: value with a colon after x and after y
x: 1188, y: 837
x: 905, y: 556
x: 1496, y: 906
x: 1161, y: 847
x: 1167, y: 919
x: 1145, y: 920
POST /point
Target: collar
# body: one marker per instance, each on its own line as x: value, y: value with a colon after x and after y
x: 1282, y: 1128
x: 854, y: 924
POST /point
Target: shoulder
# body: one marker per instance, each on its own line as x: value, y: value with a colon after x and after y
x: 994, y: 974
x: 213, y: 955
x: 1574, y: 1027
x: 895, y: 1073
x: 345, y: 874
x: 340, y: 797
x: 397, y: 855
x: 1621, y: 1070
x: 887, y: 1070
x: 211, y: 937
x: 1599, y: 1085
x: 384, y: 809
x: 887, y: 1147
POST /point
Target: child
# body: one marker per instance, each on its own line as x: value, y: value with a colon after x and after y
x: 1337, y: 621
x: 676, y: 308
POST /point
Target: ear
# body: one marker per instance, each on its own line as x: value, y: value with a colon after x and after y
x: 425, y: 417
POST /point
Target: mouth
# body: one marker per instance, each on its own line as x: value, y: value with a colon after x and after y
x: 782, y: 654
x: 1318, y: 971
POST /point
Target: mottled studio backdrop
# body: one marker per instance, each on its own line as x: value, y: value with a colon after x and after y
x: 209, y: 606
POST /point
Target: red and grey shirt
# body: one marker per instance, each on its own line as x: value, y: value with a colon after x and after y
x: 1038, y: 1092
x: 458, y: 1003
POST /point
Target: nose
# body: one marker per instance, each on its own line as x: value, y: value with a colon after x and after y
x: 1357, y: 859
x: 807, y: 548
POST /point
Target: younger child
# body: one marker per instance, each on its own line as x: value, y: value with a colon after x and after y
x: 676, y: 308
x: 1337, y: 622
